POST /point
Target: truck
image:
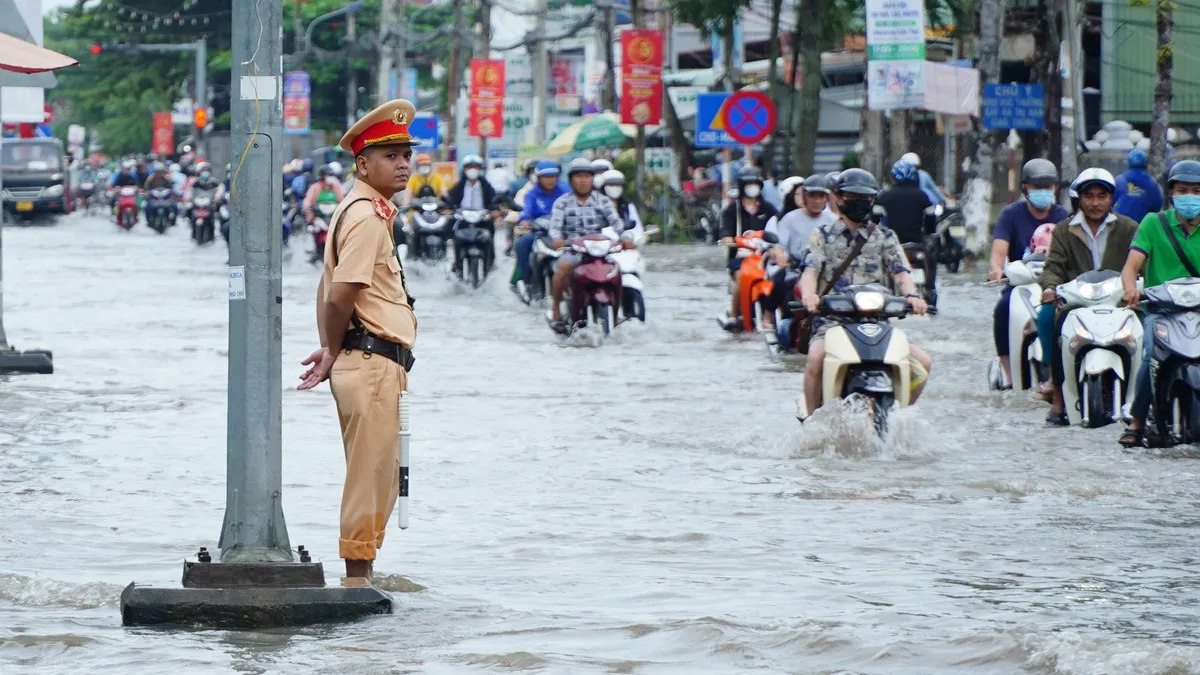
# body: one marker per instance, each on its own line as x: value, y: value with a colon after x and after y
x: 33, y: 177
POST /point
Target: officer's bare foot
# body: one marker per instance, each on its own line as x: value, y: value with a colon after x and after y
x: 358, y: 568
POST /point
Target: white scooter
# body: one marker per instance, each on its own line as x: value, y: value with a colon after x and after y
x: 1029, y: 365
x: 1101, y: 346
x: 633, y: 271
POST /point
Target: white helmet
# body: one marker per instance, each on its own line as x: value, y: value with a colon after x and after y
x: 1089, y: 177
x: 297, y: 165
x: 610, y: 177
x: 789, y: 184
x: 911, y: 158
x: 336, y: 169
x: 599, y: 166
x: 174, y: 168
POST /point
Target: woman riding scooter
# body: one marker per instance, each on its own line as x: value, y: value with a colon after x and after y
x: 322, y: 197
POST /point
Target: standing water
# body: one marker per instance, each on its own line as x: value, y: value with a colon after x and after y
x: 646, y: 506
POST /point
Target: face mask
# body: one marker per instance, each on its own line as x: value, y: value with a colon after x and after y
x: 1041, y: 199
x: 1187, y: 206
x: 204, y: 174
x: 857, y: 210
x: 330, y: 180
x: 424, y: 170
x: 472, y: 174
x: 614, y: 192
x: 752, y: 190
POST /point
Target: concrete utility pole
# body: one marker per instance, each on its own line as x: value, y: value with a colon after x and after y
x: 351, y: 74
x: 1072, y: 63
x: 541, y: 67
x: 255, y: 583
x: 452, y: 77
x: 387, y: 61
x: 485, y: 24
x: 610, y: 76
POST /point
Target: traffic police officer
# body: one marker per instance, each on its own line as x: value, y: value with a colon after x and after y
x: 367, y: 327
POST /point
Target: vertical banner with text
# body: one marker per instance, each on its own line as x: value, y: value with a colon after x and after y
x: 487, y: 98
x: 641, y: 76
x: 297, y: 113
x: 164, y: 134
x: 895, y: 54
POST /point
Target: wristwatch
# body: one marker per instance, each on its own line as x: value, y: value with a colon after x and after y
x: 912, y: 295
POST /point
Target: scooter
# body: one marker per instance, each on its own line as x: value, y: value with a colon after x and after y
x: 427, y: 228
x: 864, y: 355
x: 1029, y: 365
x: 1101, y: 346
x: 633, y: 269
x: 1174, y: 363
x: 920, y: 260
x: 596, y: 287
x: 84, y: 198
x: 754, y: 285
x: 541, y: 262
x: 472, y: 246
x: 162, y: 206
x: 203, y: 217
x: 320, y: 230
x: 950, y: 238
x: 127, y: 207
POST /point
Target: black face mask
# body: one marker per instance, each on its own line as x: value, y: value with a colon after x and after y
x: 858, y: 210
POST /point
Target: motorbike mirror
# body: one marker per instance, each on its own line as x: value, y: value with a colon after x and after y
x: 610, y: 233
x: 938, y: 210
x: 733, y: 193
x: 770, y: 237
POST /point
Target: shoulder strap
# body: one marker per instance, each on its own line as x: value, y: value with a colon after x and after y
x: 855, y: 249
x: 1187, y: 264
x: 333, y: 231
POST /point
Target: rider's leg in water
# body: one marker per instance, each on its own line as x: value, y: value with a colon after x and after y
x: 812, y: 375
x: 1000, y: 330
x: 1140, y: 407
x: 734, y: 309
x: 523, y: 249
x: 562, y: 274
x: 926, y: 362
x: 1057, y: 373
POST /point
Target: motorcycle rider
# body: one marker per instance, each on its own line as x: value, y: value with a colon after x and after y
x: 599, y: 166
x: 805, y: 209
x: 1013, y: 231
x: 905, y: 201
x: 928, y: 185
x: 473, y: 191
x: 159, y: 179
x: 1153, y: 254
x: 881, y: 256
x: 305, y: 179
x: 577, y: 214
x: 328, y: 190
x: 613, y: 187
x: 539, y: 203
x: 127, y: 176
x: 204, y: 181
x: 1137, y: 192
x: 423, y: 176
x: 527, y: 177
x: 749, y: 212
x: 1095, y: 238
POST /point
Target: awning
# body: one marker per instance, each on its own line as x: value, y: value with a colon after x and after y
x: 19, y: 56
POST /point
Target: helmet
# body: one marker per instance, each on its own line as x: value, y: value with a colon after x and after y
x: 1090, y: 177
x: 175, y: 168
x: 857, y: 181
x: 159, y: 167
x: 203, y: 166
x: 424, y: 158
x: 528, y: 164
x: 816, y: 183
x: 912, y: 158
x: 297, y: 165
x: 307, y: 164
x: 831, y: 179
x: 546, y: 168
x: 336, y: 168
x: 748, y: 174
x: 1041, y: 236
x: 228, y: 168
x: 1137, y: 159
x: 1184, y: 171
x: 1039, y: 171
x: 788, y: 184
x: 601, y: 165
x: 904, y: 172
x: 579, y: 165
x: 129, y: 164
x: 472, y: 160
x: 325, y: 170
x: 611, y: 177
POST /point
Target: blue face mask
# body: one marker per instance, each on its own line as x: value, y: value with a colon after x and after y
x: 204, y: 174
x: 1041, y: 199
x: 1187, y: 206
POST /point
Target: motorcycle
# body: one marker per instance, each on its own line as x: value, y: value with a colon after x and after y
x: 754, y: 284
x: 633, y: 269
x: 542, y: 262
x: 162, y: 208
x: 1174, y: 363
x: 950, y: 238
x: 127, y: 207
x: 203, y: 216
x: 596, y: 287
x: 427, y: 228
x: 864, y: 355
x: 320, y: 230
x: 472, y: 246
x: 1029, y: 365
x: 1101, y: 345
x: 83, y: 199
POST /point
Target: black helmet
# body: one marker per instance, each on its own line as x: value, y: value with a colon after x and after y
x: 1184, y: 171
x: 748, y: 174
x: 857, y: 181
x: 1040, y: 172
x: 325, y: 170
x: 816, y: 183
x: 831, y: 178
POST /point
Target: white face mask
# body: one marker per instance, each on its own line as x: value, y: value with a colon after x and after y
x: 330, y: 180
x: 753, y: 190
x: 472, y: 174
x: 614, y: 191
x: 424, y: 170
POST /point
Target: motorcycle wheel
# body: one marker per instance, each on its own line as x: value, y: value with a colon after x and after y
x: 634, y: 305
x: 209, y: 233
x: 880, y: 407
x: 600, y: 318
x: 1094, y: 399
x: 477, y: 273
x: 954, y: 265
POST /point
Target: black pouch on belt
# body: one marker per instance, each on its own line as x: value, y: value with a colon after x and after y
x: 359, y: 338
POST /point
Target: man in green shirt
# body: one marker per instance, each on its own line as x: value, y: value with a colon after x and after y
x: 1152, y: 249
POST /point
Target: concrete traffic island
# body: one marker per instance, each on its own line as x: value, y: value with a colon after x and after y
x: 251, y: 595
x: 33, y: 361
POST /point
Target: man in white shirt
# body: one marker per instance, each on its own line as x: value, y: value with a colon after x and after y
x: 500, y: 178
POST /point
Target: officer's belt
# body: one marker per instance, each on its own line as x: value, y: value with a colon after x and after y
x: 359, y: 338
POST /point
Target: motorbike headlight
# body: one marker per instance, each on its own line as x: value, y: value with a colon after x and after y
x: 53, y: 191
x: 597, y: 248
x: 1161, y: 331
x: 1184, y: 295
x: 1091, y: 291
x: 958, y: 231
x: 472, y: 216
x: 869, y: 301
x: 201, y: 201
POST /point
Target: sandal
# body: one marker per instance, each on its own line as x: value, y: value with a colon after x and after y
x: 1057, y: 419
x: 1131, y: 438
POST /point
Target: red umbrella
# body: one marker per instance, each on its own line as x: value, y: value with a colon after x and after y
x: 20, y: 56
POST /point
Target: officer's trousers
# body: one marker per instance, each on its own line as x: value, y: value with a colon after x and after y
x: 367, y: 390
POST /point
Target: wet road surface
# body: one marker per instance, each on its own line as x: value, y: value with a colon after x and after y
x: 648, y: 506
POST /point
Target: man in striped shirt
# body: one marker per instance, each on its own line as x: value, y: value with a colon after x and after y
x: 576, y: 214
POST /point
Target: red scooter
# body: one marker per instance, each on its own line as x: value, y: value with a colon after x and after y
x: 127, y: 207
x: 596, y: 282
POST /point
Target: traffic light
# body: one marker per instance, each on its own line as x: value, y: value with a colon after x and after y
x: 201, y: 118
x: 96, y: 49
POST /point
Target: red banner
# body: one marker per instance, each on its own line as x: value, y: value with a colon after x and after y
x: 164, y: 134
x: 487, y: 78
x: 486, y: 119
x: 641, y: 76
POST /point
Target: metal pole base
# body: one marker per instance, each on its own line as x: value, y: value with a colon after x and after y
x: 250, y: 595
x: 35, y: 361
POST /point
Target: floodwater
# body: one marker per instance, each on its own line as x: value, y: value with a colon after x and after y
x: 647, y: 506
